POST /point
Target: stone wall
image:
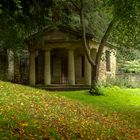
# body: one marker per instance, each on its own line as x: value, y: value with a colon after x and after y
x: 113, y: 62
x: 102, y: 70
x: 18, y: 67
x: 103, y: 73
x: 132, y: 77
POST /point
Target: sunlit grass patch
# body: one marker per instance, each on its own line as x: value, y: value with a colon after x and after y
x: 113, y: 98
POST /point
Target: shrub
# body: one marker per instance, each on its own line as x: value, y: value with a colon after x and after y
x: 123, y: 82
x: 96, y: 92
x: 131, y: 66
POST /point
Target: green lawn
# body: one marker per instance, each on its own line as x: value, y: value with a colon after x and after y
x: 113, y: 98
x: 28, y: 113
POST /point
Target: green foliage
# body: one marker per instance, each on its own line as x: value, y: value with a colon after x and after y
x: 131, y: 66
x: 124, y: 9
x: 127, y: 54
x: 36, y: 15
x: 128, y: 65
x: 18, y: 6
x: 0, y: 9
x: 95, y: 91
x: 19, y: 19
x: 126, y: 32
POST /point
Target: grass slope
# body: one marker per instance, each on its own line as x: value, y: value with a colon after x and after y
x: 28, y: 113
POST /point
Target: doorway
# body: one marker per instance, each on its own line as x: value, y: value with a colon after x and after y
x: 59, y: 66
x: 64, y: 70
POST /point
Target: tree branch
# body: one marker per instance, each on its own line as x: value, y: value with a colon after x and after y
x: 104, y: 39
x: 84, y: 41
x: 101, y: 48
x: 74, y: 4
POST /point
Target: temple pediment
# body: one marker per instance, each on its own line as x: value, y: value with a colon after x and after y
x: 58, y: 33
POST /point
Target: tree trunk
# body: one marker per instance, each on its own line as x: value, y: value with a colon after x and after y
x: 94, y: 64
x: 100, y: 52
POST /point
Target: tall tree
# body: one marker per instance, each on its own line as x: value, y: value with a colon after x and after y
x: 20, y: 18
x: 121, y: 11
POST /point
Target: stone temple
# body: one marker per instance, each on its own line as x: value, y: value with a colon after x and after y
x: 55, y: 56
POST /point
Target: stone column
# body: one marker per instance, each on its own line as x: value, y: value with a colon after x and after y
x: 17, y: 72
x: 32, y: 73
x: 87, y: 72
x: 10, y: 65
x: 47, y: 68
x: 71, y: 67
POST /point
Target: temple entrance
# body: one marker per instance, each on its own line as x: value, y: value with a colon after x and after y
x: 59, y: 66
x: 64, y: 70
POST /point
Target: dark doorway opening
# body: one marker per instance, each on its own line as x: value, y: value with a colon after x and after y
x: 64, y: 70
x: 39, y: 61
x: 59, y: 65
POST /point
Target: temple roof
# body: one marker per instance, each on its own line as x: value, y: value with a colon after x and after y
x: 66, y: 29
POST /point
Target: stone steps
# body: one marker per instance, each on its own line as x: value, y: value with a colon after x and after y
x: 63, y: 87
